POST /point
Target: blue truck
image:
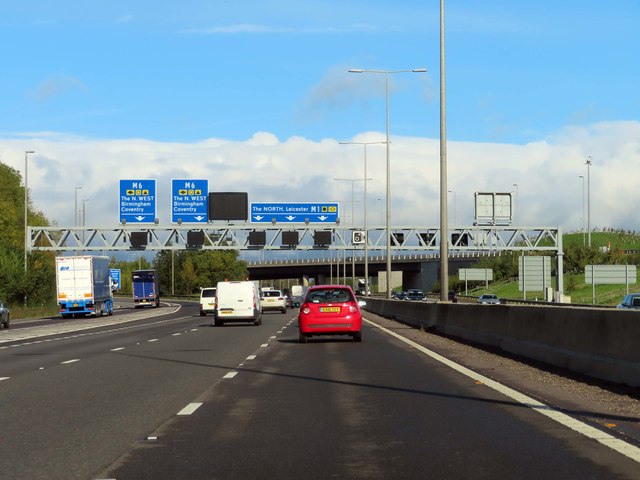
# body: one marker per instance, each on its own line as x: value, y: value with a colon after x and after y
x: 144, y: 284
x: 83, y: 286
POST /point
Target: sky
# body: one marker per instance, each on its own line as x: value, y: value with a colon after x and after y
x: 257, y: 96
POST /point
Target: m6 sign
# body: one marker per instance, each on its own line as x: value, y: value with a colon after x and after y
x: 137, y: 201
x: 189, y: 201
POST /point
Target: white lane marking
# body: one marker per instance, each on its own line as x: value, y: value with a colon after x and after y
x: 152, y: 438
x: 271, y: 338
x: 230, y: 375
x: 4, y: 378
x: 70, y: 361
x: 251, y: 357
x: 189, y: 409
x: 176, y: 334
x: 264, y: 345
x: 116, y: 349
x: 79, y: 335
x: 193, y: 330
x: 153, y: 340
x: 604, y: 438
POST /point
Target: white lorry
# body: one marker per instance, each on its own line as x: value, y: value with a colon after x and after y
x: 83, y: 286
x: 237, y: 302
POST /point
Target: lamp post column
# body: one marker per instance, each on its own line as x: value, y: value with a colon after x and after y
x: 26, y: 212
x: 589, y: 201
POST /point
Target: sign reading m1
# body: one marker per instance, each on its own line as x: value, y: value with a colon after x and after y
x: 137, y: 201
x: 189, y: 201
x: 320, y: 212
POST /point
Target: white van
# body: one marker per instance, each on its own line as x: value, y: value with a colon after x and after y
x: 238, y: 302
x: 207, y: 300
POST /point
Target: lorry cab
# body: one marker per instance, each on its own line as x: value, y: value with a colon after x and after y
x: 237, y: 302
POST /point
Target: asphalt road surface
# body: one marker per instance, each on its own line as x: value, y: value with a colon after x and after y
x: 171, y: 397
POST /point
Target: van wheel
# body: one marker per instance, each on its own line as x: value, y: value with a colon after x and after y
x: 258, y: 322
x: 303, y: 338
x: 218, y: 323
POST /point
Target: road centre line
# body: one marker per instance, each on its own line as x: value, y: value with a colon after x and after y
x: 189, y: 409
x: 70, y: 361
x: 604, y: 438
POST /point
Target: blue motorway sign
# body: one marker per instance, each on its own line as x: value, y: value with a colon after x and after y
x: 189, y: 200
x: 138, y: 201
x: 319, y: 212
x: 115, y: 274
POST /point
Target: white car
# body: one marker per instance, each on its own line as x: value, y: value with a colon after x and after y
x: 274, y: 300
x: 208, y: 300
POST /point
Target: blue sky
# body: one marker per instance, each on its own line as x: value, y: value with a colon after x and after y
x: 151, y: 82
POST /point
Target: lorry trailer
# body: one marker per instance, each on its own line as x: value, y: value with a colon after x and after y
x: 144, y: 284
x: 83, y: 286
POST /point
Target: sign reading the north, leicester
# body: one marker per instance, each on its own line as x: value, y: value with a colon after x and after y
x: 137, y: 201
x: 189, y: 201
x: 321, y: 212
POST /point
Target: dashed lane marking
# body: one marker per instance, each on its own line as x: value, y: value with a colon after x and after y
x: 189, y: 409
x: 70, y: 361
x: 230, y: 375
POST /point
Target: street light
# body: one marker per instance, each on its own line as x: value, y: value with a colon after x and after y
x: 386, y: 74
x: 366, y: 226
x: 75, y: 214
x: 353, y: 181
x: 584, y: 242
x: 84, y: 214
x: 589, y: 201
x: 455, y: 220
x: 26, y: 204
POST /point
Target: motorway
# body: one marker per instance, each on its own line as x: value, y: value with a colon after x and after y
x: 161, y: 394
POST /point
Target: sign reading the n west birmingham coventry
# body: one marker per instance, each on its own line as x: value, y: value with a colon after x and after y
x: 321, y: 212
x: 189, y: 200
x: 137, y: 201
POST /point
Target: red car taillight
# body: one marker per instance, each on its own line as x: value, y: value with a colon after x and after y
x: 306, y: 310
x: 352, y: 309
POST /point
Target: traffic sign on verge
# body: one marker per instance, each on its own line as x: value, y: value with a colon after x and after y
x: 137, y: 201
x: 189, y: 201
x: 319, y: 212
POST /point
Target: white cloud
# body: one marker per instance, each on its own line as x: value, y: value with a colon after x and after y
x: 58, y: 85
x: 300, y: 170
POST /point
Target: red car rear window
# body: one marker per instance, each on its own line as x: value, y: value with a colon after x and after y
x: 329, y: 295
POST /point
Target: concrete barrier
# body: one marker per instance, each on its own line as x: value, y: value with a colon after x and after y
x: 601, y: 343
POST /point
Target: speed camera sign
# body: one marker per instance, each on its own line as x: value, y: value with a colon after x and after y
x: 358, y: 237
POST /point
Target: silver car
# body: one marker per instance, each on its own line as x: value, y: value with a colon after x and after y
x: 489, y: 299
x: 4, y: 315
x: 630, y: 301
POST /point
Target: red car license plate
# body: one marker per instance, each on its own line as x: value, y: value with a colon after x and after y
x: 329, y: 309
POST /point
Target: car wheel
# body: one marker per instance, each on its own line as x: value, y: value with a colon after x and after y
x: 203, y: 314
x: 357, y: 337
x: 7, y: 324
x: 303, y: 338
x: 284, y: 310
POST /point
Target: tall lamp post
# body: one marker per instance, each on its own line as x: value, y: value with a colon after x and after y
x: 353, y: 181
x: 455, y: 220
x: 26, y: 206
x: 366, y: 226
x: 84, y: 216
x: 589, y: 201
x: 584, y: 241
x: 75, y: 214
x: 386, y: 74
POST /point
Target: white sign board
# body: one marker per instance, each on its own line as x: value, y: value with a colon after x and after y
x: 610, y: 274
x: 493, y: 208
x: 476, y: 274
x: 534, y: 273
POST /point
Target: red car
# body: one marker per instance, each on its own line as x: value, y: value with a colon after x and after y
x: 330, y: 310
